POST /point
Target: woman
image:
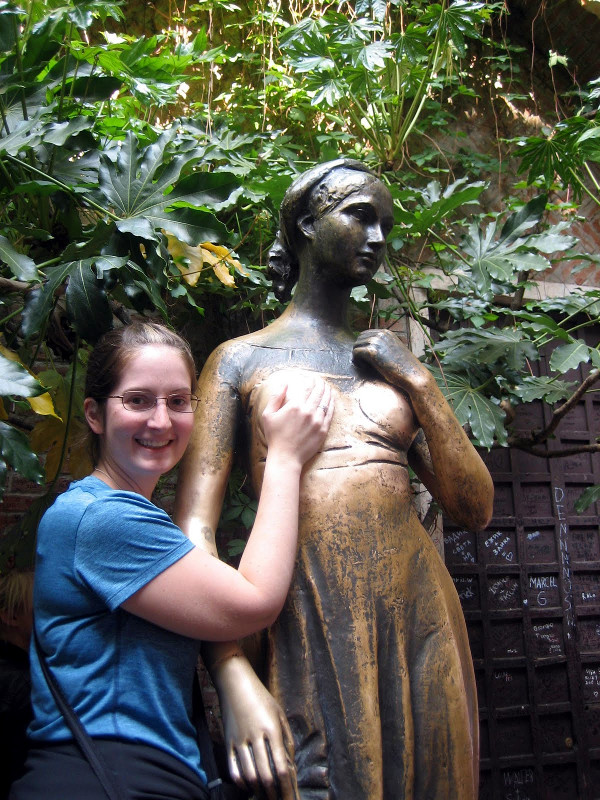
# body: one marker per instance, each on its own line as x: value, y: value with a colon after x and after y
x: 369, y: 660
x: 122, y: 596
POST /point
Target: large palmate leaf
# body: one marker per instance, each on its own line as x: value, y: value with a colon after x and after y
x: 498, y: 260
x: 141, y: 188
x: 487, y: 346
x: 472, y: 408
x: 543, y: 388
x: 439, y: 203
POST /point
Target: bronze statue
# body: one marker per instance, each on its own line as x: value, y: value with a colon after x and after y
x: 369, y: 660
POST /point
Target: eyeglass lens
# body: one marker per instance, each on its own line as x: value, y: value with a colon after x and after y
x: 145, y: 401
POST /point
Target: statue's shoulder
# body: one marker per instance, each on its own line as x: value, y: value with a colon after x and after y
x: 230, y: 359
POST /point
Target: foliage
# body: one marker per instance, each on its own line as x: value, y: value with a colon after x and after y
x: 141, y: 172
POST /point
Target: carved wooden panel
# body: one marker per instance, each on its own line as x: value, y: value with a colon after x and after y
x: 530, y: 590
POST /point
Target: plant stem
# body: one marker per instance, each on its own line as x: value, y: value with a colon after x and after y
x: 19, y: 64
x: 63, y: 450
x: 11, y: 315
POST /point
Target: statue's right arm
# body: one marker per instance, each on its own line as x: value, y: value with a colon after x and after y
x: 256, y: 731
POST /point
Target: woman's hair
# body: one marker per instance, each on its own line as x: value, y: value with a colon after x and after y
x: 16, y: 593
x: 112, y: 353
x: 315, y: 192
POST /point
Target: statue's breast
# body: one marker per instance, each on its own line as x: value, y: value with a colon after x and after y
x: 372, y: 420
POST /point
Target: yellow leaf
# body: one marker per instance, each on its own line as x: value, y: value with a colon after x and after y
x: 46, y: 434
x: 43, y: 405
x: 9, y: 354
x: 224, y: 254
x: 47, y: 437
x: 223, y: 274
x: 189, y: 260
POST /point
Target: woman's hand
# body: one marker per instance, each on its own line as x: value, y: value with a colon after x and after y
x: 258, y: 740
x: 386, y: 352
x: 297, y: 417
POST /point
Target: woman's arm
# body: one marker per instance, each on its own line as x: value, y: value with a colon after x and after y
x: 203, y: 598
x: 443, y: 457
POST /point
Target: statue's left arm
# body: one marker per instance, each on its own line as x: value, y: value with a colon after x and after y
x: 441, y: 454
x: 258, y: 740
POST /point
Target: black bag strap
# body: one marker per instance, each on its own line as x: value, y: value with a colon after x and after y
x: 207, y: 753
x: 113, y: 792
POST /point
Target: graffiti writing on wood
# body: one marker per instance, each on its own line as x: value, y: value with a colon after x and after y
x: 559, y: 495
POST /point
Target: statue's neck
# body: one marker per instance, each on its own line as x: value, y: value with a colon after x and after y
x: 320, y: 305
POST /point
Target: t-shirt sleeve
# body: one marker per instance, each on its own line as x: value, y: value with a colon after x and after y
x: 123, y: 542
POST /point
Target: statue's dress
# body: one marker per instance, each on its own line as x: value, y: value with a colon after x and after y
x: 369, y: 658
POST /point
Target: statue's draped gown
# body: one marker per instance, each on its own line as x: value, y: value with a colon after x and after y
x: 369, y: 658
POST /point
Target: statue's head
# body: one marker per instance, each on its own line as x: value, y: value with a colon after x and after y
x: 310, y: 198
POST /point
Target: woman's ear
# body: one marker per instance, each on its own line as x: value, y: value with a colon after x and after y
x: 306, y: 226
x: 94, y: 415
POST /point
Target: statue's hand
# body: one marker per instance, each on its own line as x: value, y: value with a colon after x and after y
x: 259, y: 743
x: 387, y: 353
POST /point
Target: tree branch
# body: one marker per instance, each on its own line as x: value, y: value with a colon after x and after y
x: 11, y: 285
x: 527, y: 447
x: 542, y: 436
x: 539, y: 437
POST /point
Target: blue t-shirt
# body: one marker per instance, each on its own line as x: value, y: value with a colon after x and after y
x: 125, y: 677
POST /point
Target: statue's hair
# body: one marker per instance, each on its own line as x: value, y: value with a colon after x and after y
x: 311, y: 192
x: 112, y: 353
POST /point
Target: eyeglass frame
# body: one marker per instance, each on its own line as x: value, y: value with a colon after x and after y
x: 193, y: 401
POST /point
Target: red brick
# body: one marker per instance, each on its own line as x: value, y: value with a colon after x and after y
x: 15, y: 502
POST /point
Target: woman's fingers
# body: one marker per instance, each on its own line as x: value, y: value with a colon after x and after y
x: 276, y: 401
x: 299, y: 425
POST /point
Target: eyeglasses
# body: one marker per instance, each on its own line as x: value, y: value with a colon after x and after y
x: 182, y: 402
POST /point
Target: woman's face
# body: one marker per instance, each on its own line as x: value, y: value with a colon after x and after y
x: 347, y: 243
x: 141, y: 446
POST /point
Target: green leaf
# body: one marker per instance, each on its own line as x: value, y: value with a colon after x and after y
x: 541, y: 323
x: 543, y: 388
x: 21, y: 266
x: 472, y: 408
x: 58, y: 132
x: 439, y: 204
x: 487, y: 347
x: 16, y: 380
x: 139, y: 187
x: 569, y: 356
x: 87, y: 303
x: 587, y: 497
x: 24, y: 134
x: 16, y: 452
x: 40, y: 302
x: 8, y: 31
x: 523, y: 219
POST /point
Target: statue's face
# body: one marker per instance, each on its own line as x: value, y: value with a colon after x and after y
x: 347, y: 243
